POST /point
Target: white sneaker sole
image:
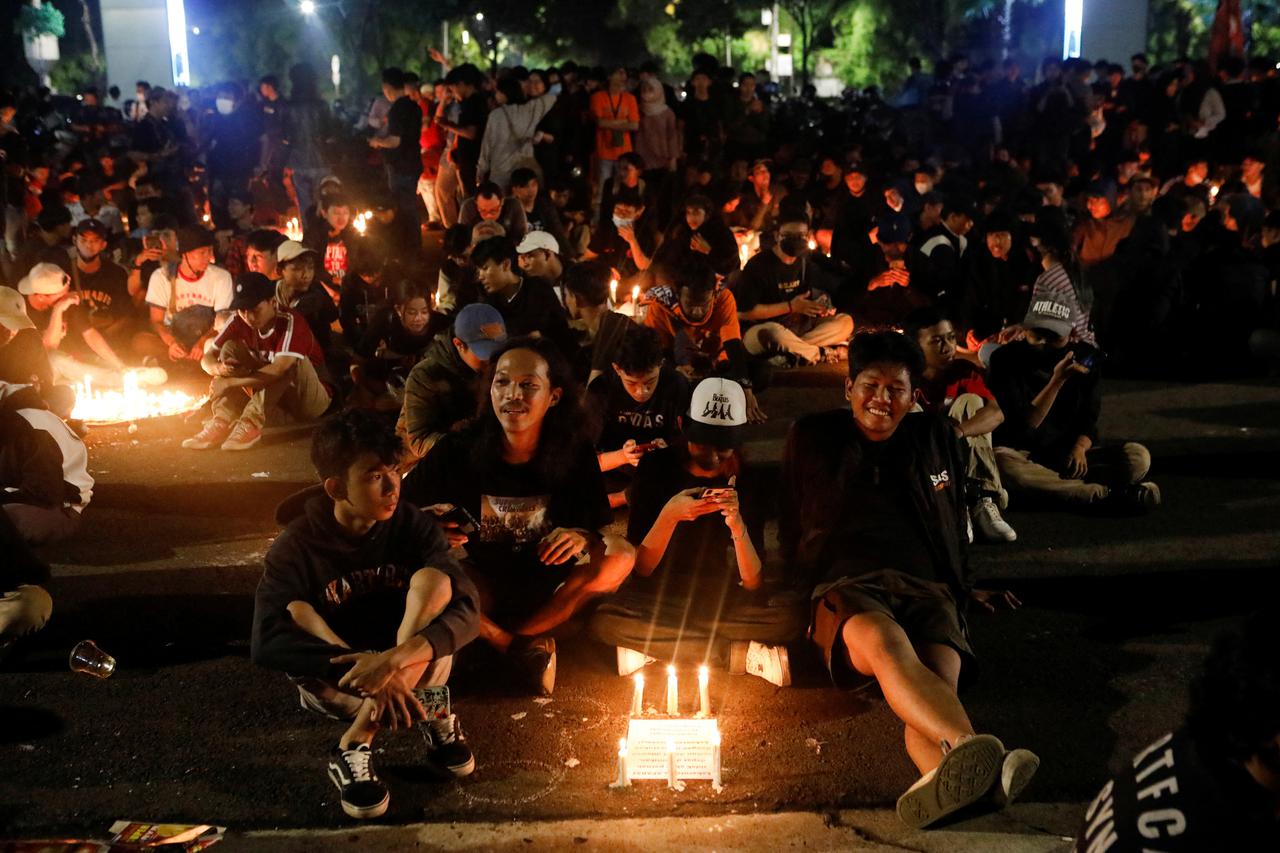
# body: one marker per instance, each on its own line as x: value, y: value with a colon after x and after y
x: 366, y: 812
x: 1016, y: 772
x: 966, y: 775
x: 463, y: 769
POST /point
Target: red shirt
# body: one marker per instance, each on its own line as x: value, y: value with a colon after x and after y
x: 288, y: 334
x: 959, y: 377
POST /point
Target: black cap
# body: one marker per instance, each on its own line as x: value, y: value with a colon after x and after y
x: 252, y: 289
x: 192, y: 238
x: 92, y: 226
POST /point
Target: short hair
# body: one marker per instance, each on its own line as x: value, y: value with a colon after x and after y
x: 496, y: 249
x: 265, y: 240
x: 639, y: 351
x: 339, y: 440
x: 522, y: 177
x: 629, y: 196
x: 393, y: 77
x: 270, y: 80
x: 633, y: 159
x: 1235, y: 701
x: 924, y: 317
x: 886, y: 347
x: 336, y: 198
x: 489, y: 190
x: 411, y: 78
x: 697, y: 277
x: 589, y: 282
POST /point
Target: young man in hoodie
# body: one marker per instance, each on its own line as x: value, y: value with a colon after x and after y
x: 359, y: 569
x: 44, y: 486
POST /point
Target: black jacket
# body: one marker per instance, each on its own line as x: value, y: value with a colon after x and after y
x: 1018, y: 373
x: 820, y: 455
x: 315, y: 562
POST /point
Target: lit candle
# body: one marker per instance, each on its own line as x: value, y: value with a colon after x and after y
x: 673, y: 704
x: 813, y: 244
x: 715, y: 758
x: 613, y: 291
x: 635, y: 294
x: 624, y: 775
x: 88, y: 387
x: 704, y: 691
x: 671, y: 762
x: 637, y: 697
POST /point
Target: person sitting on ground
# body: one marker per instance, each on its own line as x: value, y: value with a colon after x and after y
x: 190, y: 307
x: 367, y: 293
x: 626, y: 241
x: 103, y: 286
x: 264, y: 363
x: 401, y: 332
x: 361, y: 605
x: 488, y: 205
x: 260, y: 252
x: 531, y: 485
x: 954, y: 388
x: 299, y: 289
x: 539, y: 257
x: 336, y: 240
x: 787, y: 315
x: 693, y: 504
x: 539, y: 211
x: 23, y: 359
x: 1047, y: 448
x: 528, y: 305
x: 635, y: 407
x: 440, y: 393
x: 701, y: 232
x: 697, y: 322
x: 1214, y: 784
x: 872, y: 518
x: 77, y: 351
x: 586, y: 298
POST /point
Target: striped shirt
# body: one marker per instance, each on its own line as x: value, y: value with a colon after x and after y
x: 1055, y: 284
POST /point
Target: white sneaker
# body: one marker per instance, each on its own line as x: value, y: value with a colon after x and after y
x: 769, y: 662
x: 152, y: 376
x: 967, y: 773
x: 993, y: 526
x: 1016, y: 772
x: 631, y: 661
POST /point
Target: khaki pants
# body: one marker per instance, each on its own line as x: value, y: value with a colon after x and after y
x: 981, y: 471
x: 23, y: 611
x: 327, y: 698
x: 768, y: 338
x: 1109, y: 467
x: 300, y: 394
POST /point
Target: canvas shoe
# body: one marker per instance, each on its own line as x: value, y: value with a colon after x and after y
x: 243, y: 436
x: 363, y: 794
x: 215, y: 432
x: 991, y: 524
x: 447, y: 746
x: 1016, y: 772
x: 768, y: 662
x: 631, y: 661
x: 967, y: 773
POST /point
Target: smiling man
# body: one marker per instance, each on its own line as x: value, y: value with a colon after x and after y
x: 873, y: 518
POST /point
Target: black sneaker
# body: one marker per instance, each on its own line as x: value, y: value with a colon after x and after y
x: 536, y: 658
x: 363, y: 795
x: 1138, y: 499
x: 447, y: 745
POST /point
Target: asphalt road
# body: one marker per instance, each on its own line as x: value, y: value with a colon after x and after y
x: 1117, y: 615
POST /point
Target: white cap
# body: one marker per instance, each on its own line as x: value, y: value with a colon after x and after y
x: 13, y: 310
x: 535, y: 240
x: 44, y: 278
x: 290, y: 249
x: 716, y: 411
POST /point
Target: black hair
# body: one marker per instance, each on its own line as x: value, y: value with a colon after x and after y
x: 411, y: 78
x: 1051, y: 230
x: 334, y: 198
x: 639, y: 351
x: 629, y: 196
x: 697, y: 276
x: 589, y: 282
x: 270, y: 80
x: 409, y: 289
x: 512, y: 90
x: 489, y: 190
x: 393, y: 77
x: 886, y: 347
x: 924, y: 317
x: 339, y: 440
x: 522, y: 176
x: 265, y: 240
x: 496, y: 249
x: 1235, y: 701
x: 457, y: 239
x: 561, y: 433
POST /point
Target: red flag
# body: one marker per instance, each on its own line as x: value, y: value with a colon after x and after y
x: 1226, y: 38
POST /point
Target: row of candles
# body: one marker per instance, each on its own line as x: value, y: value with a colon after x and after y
x: 293, y: 225
x: 673, y: 693
x: 624, y: 773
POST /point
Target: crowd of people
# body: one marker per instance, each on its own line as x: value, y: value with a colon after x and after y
x: 622, y: 267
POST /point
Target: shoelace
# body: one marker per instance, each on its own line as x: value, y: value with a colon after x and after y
x: 358, y: 762
x: 443, y: 730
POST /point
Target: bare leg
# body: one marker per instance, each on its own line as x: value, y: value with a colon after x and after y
x: 945, y: 661
x: 611, y: 561
x: 923, y: 700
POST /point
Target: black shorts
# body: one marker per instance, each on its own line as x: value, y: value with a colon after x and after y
x: 516, y: 590
x: 925, y: 610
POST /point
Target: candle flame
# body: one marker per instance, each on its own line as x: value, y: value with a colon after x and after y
x: 129, y: 403
x: 671, y: 670
x: 635, y: 293
x: 704, y: 674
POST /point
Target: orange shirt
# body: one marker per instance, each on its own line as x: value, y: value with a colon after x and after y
x: 708, y: 337
x: 606, y: 106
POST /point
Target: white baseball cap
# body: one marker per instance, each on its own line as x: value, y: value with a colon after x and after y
x: 291, y: 249
x: 13, y: 311
x: 535, y: 240
x: 44, y: 278
x: 717, y: 412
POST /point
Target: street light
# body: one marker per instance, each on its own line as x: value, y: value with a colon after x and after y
x: 307, y: 7
x: 479, y: 16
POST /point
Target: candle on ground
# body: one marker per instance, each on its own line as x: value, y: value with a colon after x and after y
x: 671, y: 763
x: 637, y: 696
x: 715, y: 758
x: 673, y: 692
x: 635, y: 293
x: 704, y: 691
x: 624, y: 774
x: 613, y: 291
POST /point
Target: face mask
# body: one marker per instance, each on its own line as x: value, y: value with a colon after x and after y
x: 556, y: 88
x: 922, y: 187
x: 793, y: 246
x: 184, y: 103
x: 619, y: 222
x: 225, y: 106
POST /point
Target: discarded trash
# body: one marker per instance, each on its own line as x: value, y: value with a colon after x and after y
x: 86, y: 657
x: 572, y: 763
x: 814, y: 744
x: 190, y: 838
x: 519, y: 715
x: 543, y: 700
x: 133, y: 429
x: 261, y: 474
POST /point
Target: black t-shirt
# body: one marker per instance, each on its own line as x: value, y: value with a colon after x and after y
x: 515, y: 506
x: 1175, y: 799
x: 472, y: 112
x: 405, y: 121
x: 619, y: 417
x: 106, y: 293
x: 698, y: 565
x: 22, y: 357
x: 535, y: 308
x: 386, y: 328
x: 766, y: 280
x: 77, y: 319
x: 877, y: 528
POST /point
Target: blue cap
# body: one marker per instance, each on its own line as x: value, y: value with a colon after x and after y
x: 894, y: 228
x: 481, y: 328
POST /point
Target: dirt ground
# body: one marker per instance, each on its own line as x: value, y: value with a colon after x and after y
x: 1118, y: 614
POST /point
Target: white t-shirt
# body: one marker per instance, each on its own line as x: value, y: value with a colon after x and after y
x: 214, y: 290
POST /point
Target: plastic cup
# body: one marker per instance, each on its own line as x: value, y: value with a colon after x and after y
x: 86, y: 657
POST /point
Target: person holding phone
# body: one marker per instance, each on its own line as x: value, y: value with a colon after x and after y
x: 697, y: 594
